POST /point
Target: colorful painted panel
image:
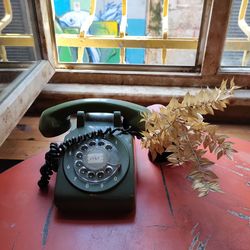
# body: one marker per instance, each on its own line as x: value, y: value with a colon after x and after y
x: 71, y: 14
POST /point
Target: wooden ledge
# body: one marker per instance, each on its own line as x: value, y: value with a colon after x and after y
x: 54, y: 94
x: 137, y: 94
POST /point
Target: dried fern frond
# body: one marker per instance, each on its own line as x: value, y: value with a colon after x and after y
x: 180, y: 130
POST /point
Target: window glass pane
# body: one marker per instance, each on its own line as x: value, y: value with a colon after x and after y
x: 148, y: 24
x: 19, y: 25
x: 181, y: 57
x: 174, y: 57
x: 18, y: 52
x: 236, y: 50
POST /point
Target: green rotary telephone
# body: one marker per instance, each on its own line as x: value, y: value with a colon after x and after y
x: 95, y: 163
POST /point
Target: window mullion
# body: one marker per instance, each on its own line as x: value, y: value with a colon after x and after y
x: 45, y: 26
x: 206, y: 13
x: 216, y: 36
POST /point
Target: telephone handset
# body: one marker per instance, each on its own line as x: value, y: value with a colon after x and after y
x: 95, y: 163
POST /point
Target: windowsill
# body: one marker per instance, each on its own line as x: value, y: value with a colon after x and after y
x: 237, y: 112
x: 139, y: 94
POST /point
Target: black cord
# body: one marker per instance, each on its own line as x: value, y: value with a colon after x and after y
x: 56, y: 151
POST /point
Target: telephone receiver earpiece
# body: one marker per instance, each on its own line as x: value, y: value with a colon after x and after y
x: 56, y: 120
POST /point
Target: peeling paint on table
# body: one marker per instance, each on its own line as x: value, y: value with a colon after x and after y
x: 240, y: 215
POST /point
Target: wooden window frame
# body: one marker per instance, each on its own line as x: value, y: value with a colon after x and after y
x: 20, y: 94
x: 22, y: 82
x: 207, y: 70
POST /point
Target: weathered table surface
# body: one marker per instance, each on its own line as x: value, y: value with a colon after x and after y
x: 169, y: 215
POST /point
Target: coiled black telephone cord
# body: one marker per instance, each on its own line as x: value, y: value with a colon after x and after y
x: 56, y: 151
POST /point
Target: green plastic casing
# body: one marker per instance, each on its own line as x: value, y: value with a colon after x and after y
x: 70, y: 199
x: 117, y: 200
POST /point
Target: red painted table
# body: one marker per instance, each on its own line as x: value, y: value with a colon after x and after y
x: 169, y: 215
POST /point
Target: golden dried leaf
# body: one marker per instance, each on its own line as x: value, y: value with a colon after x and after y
x: 209, y: 110
x: 211, y: 147
x: 211, y: 174
x: 220, y: 154
x: 205, y: 162
x: 229, y: 154
x: 153, y: 155
x: 206, y: 141
x: 223, y: 85
x: 202, y: 194
x: 222, y: 138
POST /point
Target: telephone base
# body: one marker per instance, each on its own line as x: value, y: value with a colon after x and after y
x: 118, y: 200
